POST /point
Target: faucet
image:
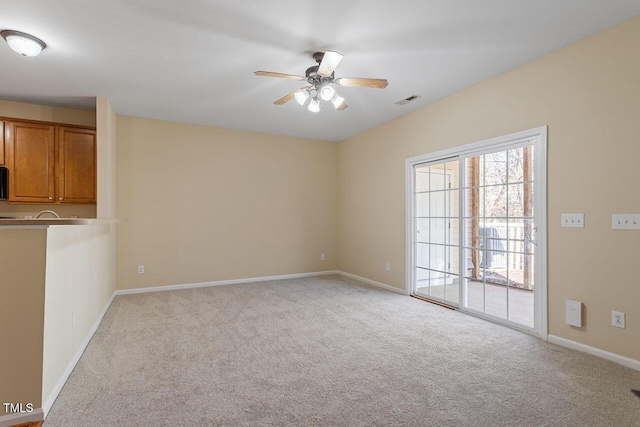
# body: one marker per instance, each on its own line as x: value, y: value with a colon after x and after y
x: 49, y: 212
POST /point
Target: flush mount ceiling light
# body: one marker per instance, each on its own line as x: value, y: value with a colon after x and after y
x: 321, y: 77
x: 23, y: 43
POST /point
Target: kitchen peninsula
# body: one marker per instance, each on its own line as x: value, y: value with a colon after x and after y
x: 54, y: 286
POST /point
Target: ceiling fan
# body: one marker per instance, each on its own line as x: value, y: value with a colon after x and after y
x: 321, y: 79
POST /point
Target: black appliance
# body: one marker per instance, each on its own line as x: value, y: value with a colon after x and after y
x: 4, y: 183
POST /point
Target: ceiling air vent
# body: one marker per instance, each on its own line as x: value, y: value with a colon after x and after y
x: 407, y: 100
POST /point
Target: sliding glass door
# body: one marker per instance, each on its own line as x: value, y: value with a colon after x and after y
x: 474, y: 227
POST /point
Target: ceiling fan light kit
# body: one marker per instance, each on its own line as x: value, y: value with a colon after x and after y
x: 23, y: 43
x: 337, y: 101
x: 314, y: 105
x: 327, y: 92
x: 302, y: 96
x: 321, y: 77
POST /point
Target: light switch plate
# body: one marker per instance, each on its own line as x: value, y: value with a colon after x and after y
x: 625, y: 221
x: 573, y: 220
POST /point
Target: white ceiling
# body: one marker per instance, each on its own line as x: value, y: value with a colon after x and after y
x: 192, y: 61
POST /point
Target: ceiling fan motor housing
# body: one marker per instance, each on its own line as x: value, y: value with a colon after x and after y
x: 312, y: 72
x: 314, y: 78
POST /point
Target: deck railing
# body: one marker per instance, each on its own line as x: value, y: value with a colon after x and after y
x: 511, y: 238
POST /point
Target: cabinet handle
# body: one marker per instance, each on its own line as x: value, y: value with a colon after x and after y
x: 61, y: 199
x: 50, y: 198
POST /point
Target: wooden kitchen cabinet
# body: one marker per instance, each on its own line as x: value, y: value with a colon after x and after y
x: 2, y: 156
x: 76, y: 165
x: 30, y: 152
x: 50, y: 164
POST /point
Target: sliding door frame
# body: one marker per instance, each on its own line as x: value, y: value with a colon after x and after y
x: 540, y: 207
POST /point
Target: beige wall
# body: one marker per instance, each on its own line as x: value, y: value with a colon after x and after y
x: 205, y: 204
x: 45, y: 113
x: 106, y: 135
x: 79, y: 279
x: 20, y: 110
x: 22, y: 262
x: 588, y: 95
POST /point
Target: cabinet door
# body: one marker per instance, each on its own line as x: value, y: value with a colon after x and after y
x: 2, y: 156
x: 30, y: 159
x: 76, y: 166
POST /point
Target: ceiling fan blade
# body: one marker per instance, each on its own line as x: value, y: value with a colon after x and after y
x: 279, y: 75
x: 342, y: 106
x: 330, y: 61
x: 290, y: 96
x: 358, y: 82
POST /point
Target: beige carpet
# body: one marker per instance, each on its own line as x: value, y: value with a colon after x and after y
x: 325, y: 352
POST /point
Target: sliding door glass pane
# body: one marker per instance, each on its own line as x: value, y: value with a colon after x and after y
x: 422, y: 179
x: 437, y: 236
x: 422, y: 205
x: 499, y: 234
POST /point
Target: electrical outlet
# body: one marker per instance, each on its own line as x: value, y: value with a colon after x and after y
x: 617, y: 319
x: 322, y: 257
x: 141, y: 269
x: 575, y: 220
x: 387, y: 267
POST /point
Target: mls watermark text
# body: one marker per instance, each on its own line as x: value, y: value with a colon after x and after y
x: 18, y: 408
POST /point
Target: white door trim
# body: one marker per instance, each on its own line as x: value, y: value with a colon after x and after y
x: 540, y: 206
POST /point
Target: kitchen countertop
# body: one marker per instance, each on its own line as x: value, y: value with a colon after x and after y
x: 47, y: 222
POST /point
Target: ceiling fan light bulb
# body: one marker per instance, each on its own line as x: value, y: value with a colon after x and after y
x: 327, y: 92
x: 302, y: 96
x: 314, y: 105
x: 337, y: 100
x: 22, y: 43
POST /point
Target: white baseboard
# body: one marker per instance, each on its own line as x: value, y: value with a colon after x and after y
x: 626, y: 361
x: 24, y: 417
x: 48, y: 402
x: 257, y: 279
x: 373, y: 283
x: 222, y: 282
